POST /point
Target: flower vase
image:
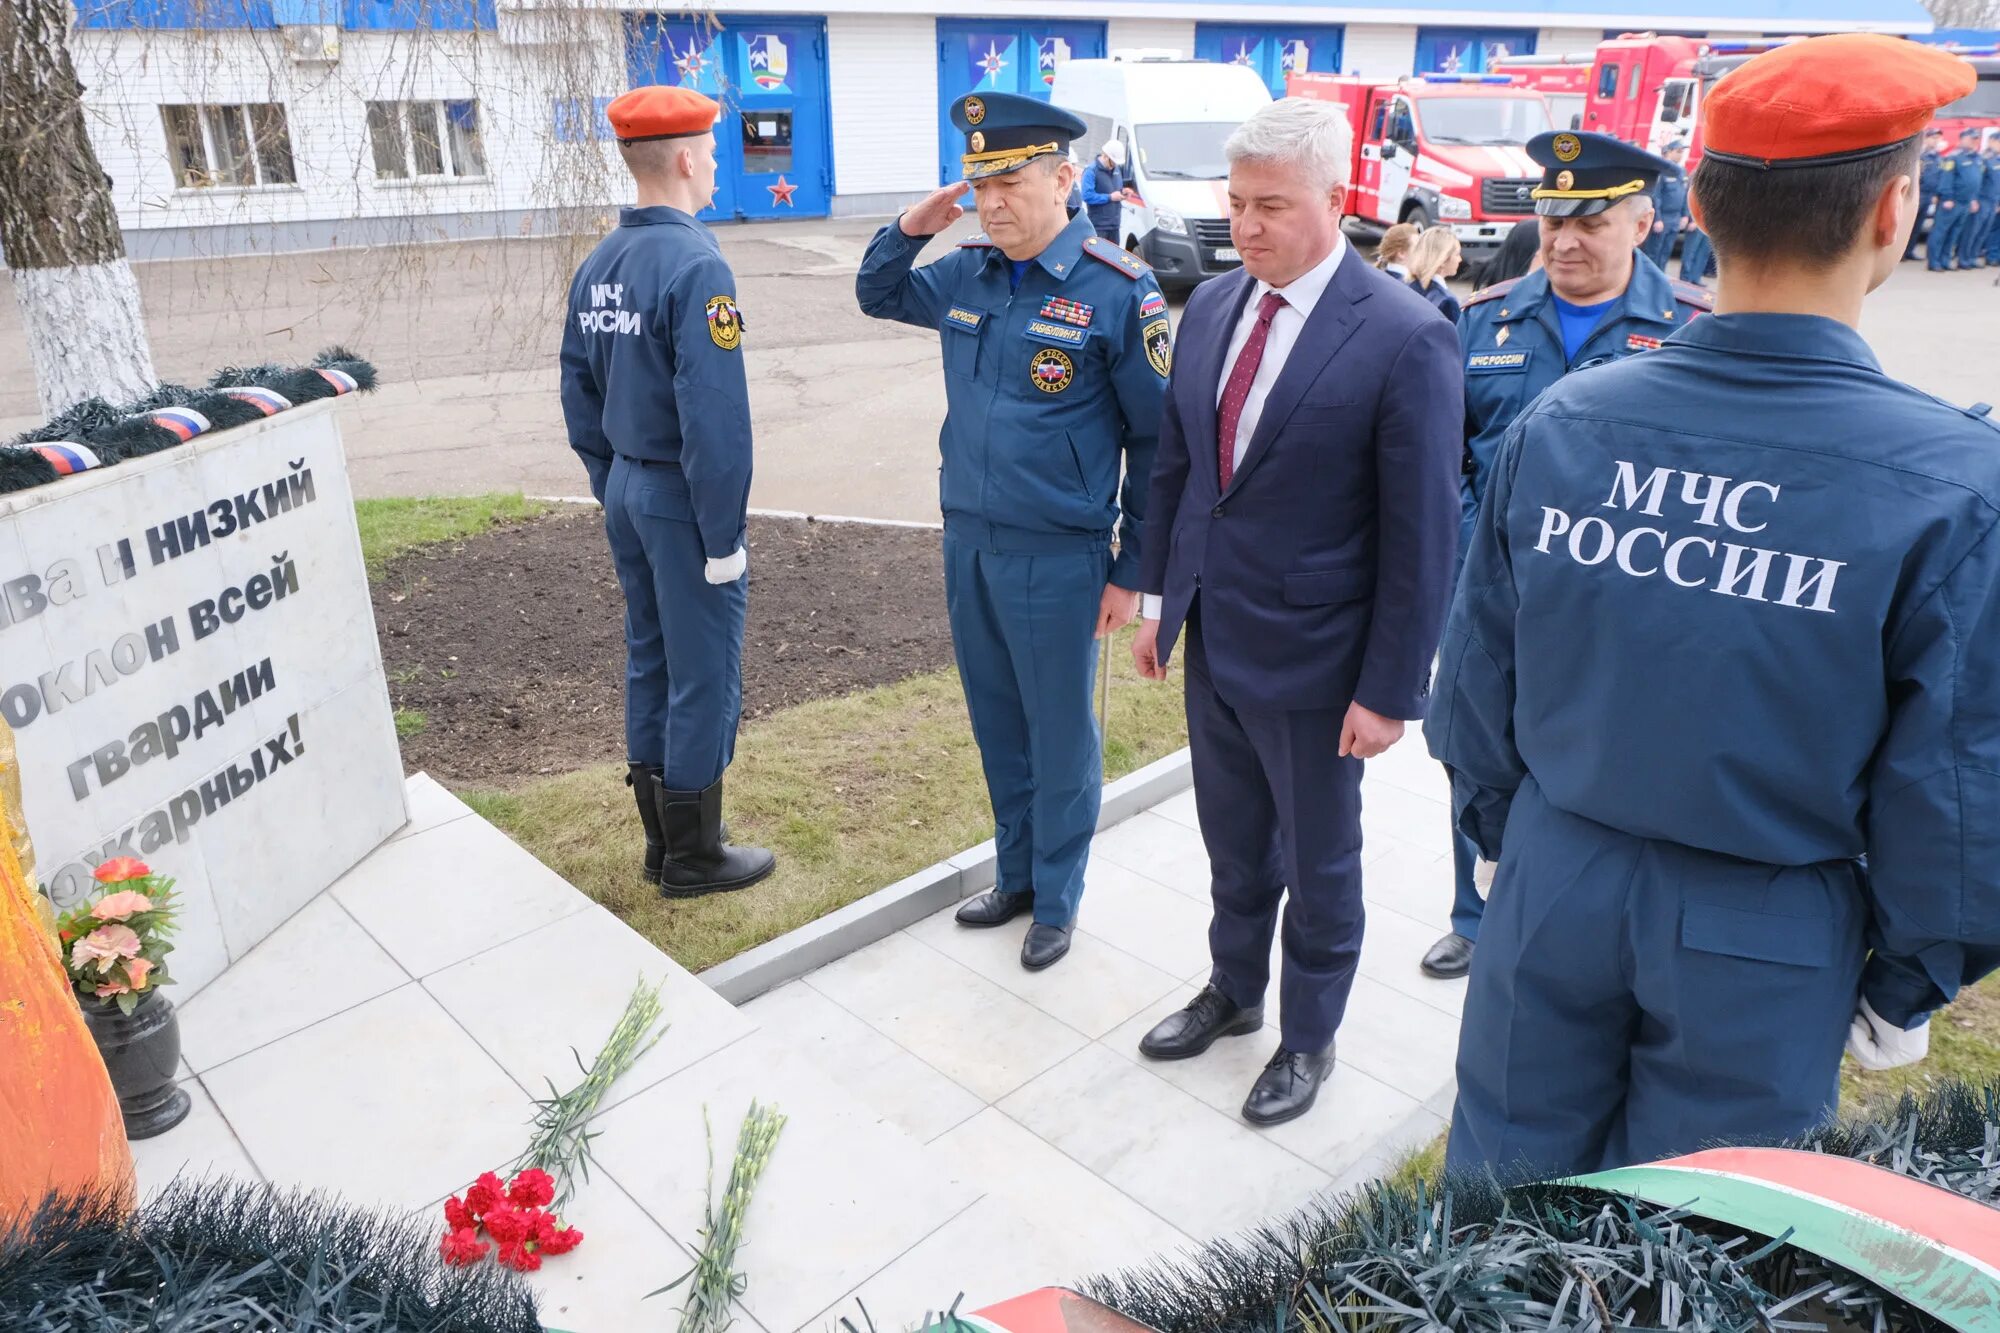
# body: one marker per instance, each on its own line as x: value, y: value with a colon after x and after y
x: 142, y: 1053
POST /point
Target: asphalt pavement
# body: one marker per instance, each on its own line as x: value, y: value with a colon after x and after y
x: 846, y: 408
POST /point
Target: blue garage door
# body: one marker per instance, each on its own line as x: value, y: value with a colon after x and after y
x: 1469, y: 50
x: 773, y: 146
x: 1273, y: 50
x: 1001, y: 56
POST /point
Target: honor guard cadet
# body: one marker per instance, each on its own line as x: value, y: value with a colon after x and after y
x: 654, y: 395
x: 1594, y: 300
x: 1056, y: 350
x: 1721, y: 687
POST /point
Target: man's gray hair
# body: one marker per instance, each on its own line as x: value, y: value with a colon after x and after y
x: 1311, y: 137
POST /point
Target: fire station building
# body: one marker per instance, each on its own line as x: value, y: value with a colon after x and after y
x: 237, y: 125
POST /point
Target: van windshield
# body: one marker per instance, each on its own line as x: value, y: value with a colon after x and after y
x: 1185, y: 151
x: 1483, y: 120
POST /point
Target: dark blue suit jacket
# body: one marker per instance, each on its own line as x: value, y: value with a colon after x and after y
x: 1325, y: 569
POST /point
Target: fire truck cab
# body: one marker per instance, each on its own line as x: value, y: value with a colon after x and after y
x: 1645, y: 89
x: 1563, y: 80
x: 1444, y: 148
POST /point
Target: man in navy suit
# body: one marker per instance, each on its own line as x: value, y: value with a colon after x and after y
x: 1305, y: 501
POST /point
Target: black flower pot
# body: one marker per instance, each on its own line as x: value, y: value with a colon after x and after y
x: 142, y: 1050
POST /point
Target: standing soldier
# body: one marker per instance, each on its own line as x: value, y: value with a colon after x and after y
x: 1056, y: 350
x: 1989, y: 205
x: 1670, y: 212
x: 1971, y: 188
x: 1927, y: 187
x: 1595, y: 299
x: 1958, y: 192
x: 654, y: 395
x: 1724, y: 671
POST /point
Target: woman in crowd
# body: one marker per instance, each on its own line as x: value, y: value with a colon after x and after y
x: 1434, y: 258
x: 1392, y: 252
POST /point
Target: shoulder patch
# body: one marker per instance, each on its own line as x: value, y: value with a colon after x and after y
x: 1488, y: 293
x: 1689, y: 293
x: 1123, y: 260
x: 978, y: 242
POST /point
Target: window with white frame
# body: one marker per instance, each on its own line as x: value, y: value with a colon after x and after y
x: 416, y: 140
x: 229, y: 147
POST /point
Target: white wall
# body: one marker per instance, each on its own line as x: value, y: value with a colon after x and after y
x: 1160, y: 34
x: 1379, y: 51
x: 1568, y: 41
x: 882, y: 77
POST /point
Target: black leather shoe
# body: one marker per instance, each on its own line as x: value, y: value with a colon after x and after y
x: 1044, y: 945
x: 1287, y: 1087
x: 993, y: 908
x: 699, y: 858
x: 1194, y: 1029
x: 1449, y: 959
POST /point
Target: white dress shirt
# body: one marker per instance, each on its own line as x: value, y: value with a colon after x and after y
x: 1301, y: 295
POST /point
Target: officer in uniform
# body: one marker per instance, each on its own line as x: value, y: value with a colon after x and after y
x: 1971, y: 188
x: 1670, y: 206
x: 1594, y: 300
x: 1988, y: 252
x: 1724, y: 673
x: 1959, y: 180
x: 1927, y: 187
x: 1056, y: 350
x: 654, y: 396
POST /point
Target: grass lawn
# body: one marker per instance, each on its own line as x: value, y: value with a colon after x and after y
x: 851, y: 793
x: 391, y: 527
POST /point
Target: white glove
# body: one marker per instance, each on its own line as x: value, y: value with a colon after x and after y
x: 1482, y: 875
x: 728, y: 568
x: 1875, y: 1043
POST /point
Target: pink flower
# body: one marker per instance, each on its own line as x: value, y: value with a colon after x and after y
x: 118, y: 906
x: 121, y: 868
x: 115, y: 988
x: 136, y: 969
x: 104, y: 947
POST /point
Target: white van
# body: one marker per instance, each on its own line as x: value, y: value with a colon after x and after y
x: 1173, y: 116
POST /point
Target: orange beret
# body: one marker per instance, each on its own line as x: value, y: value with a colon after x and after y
x: 661, y: 112
x: 1829, y: 99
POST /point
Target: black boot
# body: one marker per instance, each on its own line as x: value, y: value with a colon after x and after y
x: 698, y: 859
x: 641, y: 779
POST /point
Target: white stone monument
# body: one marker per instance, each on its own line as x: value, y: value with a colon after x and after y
x: 189, y: 663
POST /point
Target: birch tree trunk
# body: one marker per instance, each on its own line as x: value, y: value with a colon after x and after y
x: 58, y: 230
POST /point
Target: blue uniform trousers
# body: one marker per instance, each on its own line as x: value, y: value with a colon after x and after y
x: 1697, y: 256
x: 1943, y: 245
x: 1632, y: 999
x: 1023, y: 615
x: 1659, y: 246
x: 1991, y: 252
x: 1971, y: 235
x: 683, y: 635
x: 1279, y: 808
x: 1925, y: 203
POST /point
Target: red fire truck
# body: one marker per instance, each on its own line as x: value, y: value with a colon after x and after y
x: 1444, y: 148
x: 1563, y: 80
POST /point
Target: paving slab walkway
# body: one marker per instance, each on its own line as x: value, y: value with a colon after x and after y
x: 955, y: 1124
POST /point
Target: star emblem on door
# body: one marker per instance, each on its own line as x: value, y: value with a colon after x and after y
x: 781, y: 193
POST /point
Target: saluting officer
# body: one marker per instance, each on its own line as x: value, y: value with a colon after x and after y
x: 655, y: 398
x: 1056, y: 350
x: 1724, y: 671
x: 1594, y: 300
x: 1670, y: 206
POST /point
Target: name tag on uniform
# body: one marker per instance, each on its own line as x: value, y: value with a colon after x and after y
x: 1056, y: 333
x: 965, y: 319
x: 1488, y: 362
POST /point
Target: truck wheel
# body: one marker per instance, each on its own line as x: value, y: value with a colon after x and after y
x: 1418, y: 216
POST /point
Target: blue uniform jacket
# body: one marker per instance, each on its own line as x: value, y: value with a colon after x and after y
x: 1930, y: 172
x: 1047, y: 389
x: 1989, y: 189
x: 652, y: 366
x: 1743, y: 594
x: 1963, y: 175
x: 1514, y: 349
x: 1671, y: 198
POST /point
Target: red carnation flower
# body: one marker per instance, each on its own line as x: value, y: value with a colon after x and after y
x: 457, y: 1216
x: 560, y: 1242
x: 121, y: 868
x: 533, y: 1188
x: 462, y: 1247
x: 520, y: 1258
x: 485, y: 1192
x: 508, y: 1225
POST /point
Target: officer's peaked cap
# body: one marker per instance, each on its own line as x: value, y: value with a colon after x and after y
x: 1584, y: 173
x: 658, y: 111
x: 1005, y: 132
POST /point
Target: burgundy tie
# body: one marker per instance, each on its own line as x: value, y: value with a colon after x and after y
x: 1237, y: 390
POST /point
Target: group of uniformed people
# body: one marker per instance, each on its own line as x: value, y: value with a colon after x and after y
x: 1720, y: 689
x: 1960, y: 189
